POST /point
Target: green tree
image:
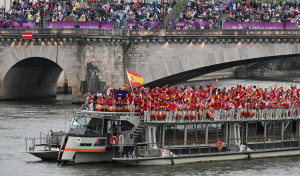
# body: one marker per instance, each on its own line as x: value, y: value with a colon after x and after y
x: 180, y: 5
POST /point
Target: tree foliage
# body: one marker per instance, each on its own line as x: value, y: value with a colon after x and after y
x: 180, y: 5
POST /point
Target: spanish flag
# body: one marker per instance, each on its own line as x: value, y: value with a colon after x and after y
x: 135, y: 79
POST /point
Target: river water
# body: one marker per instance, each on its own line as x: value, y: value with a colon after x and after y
x: 20, y: 119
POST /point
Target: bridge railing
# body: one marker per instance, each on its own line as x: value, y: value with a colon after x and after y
x: 224, y: 32
x: 98, y: 32
x: 233, y: 114
x: 160, y: 33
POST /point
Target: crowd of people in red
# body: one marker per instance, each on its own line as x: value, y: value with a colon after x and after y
x: 195, y: 98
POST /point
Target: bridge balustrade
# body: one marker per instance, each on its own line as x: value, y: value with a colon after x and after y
x: 153, y: 33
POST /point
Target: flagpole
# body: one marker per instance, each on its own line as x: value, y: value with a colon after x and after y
x: 130, y: 88
x: 129, y: 80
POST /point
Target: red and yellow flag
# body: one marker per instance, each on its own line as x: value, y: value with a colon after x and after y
x: 135, y: 79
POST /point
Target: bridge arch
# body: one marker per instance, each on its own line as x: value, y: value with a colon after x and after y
x: 17, y: 56
x: 190, y: 74
x: 30, y: 78
x: 177, y: 62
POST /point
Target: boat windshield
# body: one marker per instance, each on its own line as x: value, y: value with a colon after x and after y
x: 79, y: 125
x: 86, y: 126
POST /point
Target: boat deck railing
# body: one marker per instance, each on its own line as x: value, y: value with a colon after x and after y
x: 48, y: 140
x: 217, y: 115
x: 108, y: 110
x: 188, y: 115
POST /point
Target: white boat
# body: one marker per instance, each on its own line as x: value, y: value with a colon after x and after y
x: 170, y: 137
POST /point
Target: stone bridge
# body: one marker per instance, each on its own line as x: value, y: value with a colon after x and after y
x: 93, y: 58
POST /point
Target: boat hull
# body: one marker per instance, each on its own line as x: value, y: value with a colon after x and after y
x: 45, y: 154
x: 205, y: 158
x: 93, y: 157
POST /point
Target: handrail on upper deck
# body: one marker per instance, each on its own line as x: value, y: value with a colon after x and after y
x: 192, y: 115
x: 232, y: 114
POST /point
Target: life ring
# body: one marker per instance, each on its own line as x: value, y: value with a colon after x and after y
x: 219, y: 145
x: 211, y: 114
x: 113, y: 140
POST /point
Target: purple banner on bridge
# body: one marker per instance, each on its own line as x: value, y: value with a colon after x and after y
x: 195, y: 24
x: 17, y: 24
x: 107, y: 25
x: 71, y: 24
x: 259, y: 25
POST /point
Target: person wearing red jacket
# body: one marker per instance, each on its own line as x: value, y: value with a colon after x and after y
x: 89, y: 101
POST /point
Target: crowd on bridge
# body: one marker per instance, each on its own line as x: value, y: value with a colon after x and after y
x: 201, y: 11
x: 170, y: 98
x: 123, y: 11
x: 256, y: 11
x: 83, y: 11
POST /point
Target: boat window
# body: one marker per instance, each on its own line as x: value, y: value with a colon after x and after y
x: 158, y: 134
x: 76, y: 121
x: 169, y: 135
x: 108, y: 127
x: 114, y: 127
x: 221, y: 132
x: 252, y: 133
x: 191, y: 134
x: 287, y: 132
x: 277, y: 131
x: 293, y: 130
x: 85, y: 144
x: 212, y: 133
x: 179, y: 135
x: 100, y: 142
x: 269, y: 131
x: 201, y: 133
x: 126, y: 126
x: 94, y: 127
x: 260, y: 131
x: 79, y: 125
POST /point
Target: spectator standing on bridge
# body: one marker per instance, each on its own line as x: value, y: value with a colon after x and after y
x: 36, y: 20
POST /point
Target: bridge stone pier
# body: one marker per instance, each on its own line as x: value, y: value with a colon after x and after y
x: 93, y: 58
